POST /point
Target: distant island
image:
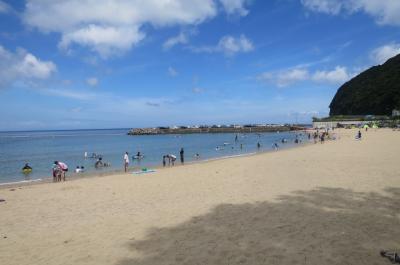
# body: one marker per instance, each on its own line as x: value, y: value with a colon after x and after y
x: 250, y: 128
x: 375, y: 91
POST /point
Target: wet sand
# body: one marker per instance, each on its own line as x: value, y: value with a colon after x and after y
x: 332, y: 203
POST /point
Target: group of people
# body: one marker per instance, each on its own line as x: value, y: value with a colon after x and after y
x: 59, y: 170
x: 172, y: 158
x: 79, y: 169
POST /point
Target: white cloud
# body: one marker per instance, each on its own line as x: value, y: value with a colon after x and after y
x: 172, y: 72
x: 385, y: 52
x: 288, y: 77
x: 228, y: 45
x: 235, y: 7
x: 107, y: 41
x: 181, y: 38
x: 112, y: 27
x: 336, y: 76
x: 92, y: 81
x: 324, y: 6
x: 71, y: 94
x: 22, y: 66
x: 384, y: 11
x: 76, y: 110
x: 4, y: 7
x: 197, y: 90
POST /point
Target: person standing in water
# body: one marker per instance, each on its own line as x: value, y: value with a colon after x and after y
x: 181, y: 153
x: 258, y: 145
x: 126, y: 161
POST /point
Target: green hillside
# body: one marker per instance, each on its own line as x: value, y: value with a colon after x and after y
x: 375, y: 91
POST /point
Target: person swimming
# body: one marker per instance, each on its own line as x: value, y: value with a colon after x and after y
x: 99, y: 163
x: 138, y: 156
x: 79, y: 169
x: 27, y: 169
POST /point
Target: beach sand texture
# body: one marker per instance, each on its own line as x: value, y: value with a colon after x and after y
x: 332, y: 203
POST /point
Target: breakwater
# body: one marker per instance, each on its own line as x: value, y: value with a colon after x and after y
x: 249, y: 129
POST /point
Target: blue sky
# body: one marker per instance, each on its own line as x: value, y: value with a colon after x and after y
x: 106, y: 64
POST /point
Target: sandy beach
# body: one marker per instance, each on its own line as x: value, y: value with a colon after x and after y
x: 332, y: 203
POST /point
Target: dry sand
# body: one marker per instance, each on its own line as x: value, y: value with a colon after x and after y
x: 332, y: 203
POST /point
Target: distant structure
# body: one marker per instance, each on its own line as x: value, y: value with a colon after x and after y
x: 249, y: 128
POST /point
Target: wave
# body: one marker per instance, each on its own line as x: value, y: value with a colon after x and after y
x: 20, y: 182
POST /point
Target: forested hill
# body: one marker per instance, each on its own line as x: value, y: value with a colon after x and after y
x: 375, y: 91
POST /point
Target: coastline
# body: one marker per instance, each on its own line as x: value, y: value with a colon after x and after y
x: 95, y: 174
x: 336, y: 202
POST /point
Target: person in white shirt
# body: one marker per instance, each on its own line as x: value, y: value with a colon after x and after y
x: 126, y: 161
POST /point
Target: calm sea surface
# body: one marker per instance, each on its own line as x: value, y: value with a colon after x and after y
x: 41, y: 148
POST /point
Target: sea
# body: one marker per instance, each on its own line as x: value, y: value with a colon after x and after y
x: 41, y: 148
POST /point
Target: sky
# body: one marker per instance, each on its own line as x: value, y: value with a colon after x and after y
x: 80, y: 64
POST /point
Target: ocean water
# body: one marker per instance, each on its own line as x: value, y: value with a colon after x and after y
x: 41, y: 148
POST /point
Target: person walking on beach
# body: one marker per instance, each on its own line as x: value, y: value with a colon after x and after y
x: 126, y: 161
x: 163, y: 161
x: 359, y: 135
x: 181, y: 153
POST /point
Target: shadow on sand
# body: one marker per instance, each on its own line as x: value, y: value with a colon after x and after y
x: 323, y: 226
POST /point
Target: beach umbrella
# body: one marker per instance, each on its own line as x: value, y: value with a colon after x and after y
x: 365, y: 126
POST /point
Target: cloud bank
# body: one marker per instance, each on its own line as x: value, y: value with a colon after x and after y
x: 288, y: 77
x: 385, y: 12
x: 112, y: 27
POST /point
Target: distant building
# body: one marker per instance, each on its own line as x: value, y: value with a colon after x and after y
x: 395, y: 113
